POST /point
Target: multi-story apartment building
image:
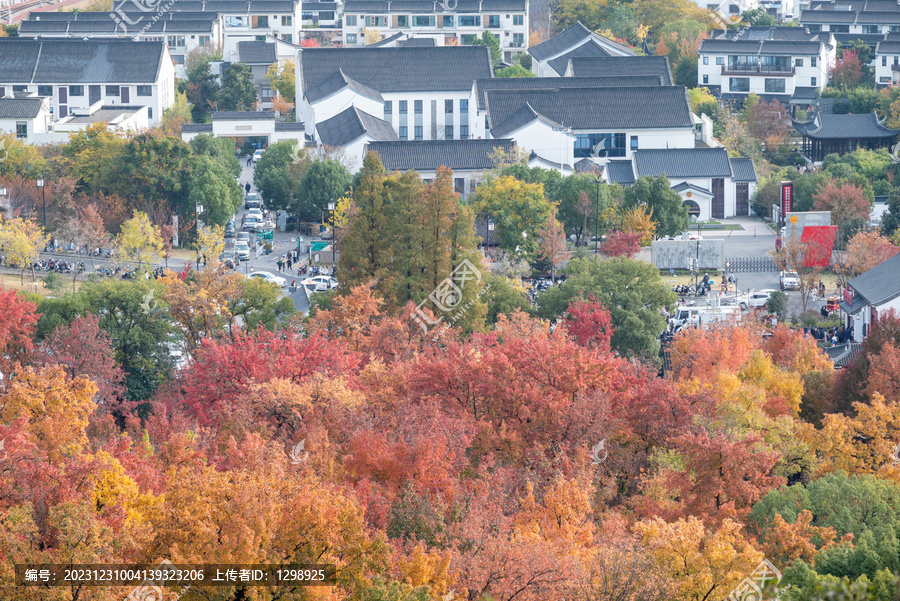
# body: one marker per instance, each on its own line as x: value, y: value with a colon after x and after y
x: 447, y: 22
x: 887, y: 61
x: 80, y: 74
x: 182, y: 32
x: 772, y: 62
x: 424, y: 93
x: 728, y: 9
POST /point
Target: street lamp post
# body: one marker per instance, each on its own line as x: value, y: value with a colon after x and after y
x: 333, y: 237
x: 40, y: 184
x: 597, y: 181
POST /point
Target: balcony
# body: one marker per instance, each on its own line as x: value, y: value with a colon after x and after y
x: 758, y: 70
x: 895, y: 67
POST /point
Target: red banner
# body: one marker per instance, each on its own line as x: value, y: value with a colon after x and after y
x: 819, y: 240
x: 848, y: 296
x: 787, y: 198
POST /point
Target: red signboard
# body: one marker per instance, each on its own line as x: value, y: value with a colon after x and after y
x: 787, y: 198
x: 819, y: 240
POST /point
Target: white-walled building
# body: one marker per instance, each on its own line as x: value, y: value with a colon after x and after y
x: 468, y: 159
x: 625, y: 68
x: 551, y: 58
x: 352, y: 130
x: 24, y: 117
x: 872, y: 294
x: 424, y: 93
x: 720, y: 186
x: 772, y: 62
x: 730, y: 10
x: 245, y: 124
x: 448, y: 22
x: 887, y: 61
x: 78, y: 74
x: 565, y: 125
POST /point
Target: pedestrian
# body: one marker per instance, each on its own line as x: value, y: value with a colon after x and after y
x: 247, y: 187
x: 249, y: 159
x: 279, y: 263
x: 289, y: 262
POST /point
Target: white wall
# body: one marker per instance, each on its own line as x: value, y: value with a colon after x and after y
x: 802, y: 76
x: 537, y: 136
x: 884, y: 75
x: 335, y: 104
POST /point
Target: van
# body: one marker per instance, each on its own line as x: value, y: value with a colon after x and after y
x: 755, y: 300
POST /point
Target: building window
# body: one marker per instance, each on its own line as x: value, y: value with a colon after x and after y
x: 150, y: 112
x: 286, y: 20
x: 176, y: 41
x: 493, y: 22
x: 872, y: 29
x: 403, y: 135
x: 705, y: 60
x: 469, y: 21
x: 401, y: 107
x: 287, y: 37
x: 418, y: 132
x: 634, y: 143
x: 112, y: 90
x: 388, y: 109
x: 351, y: 20
x: 20, y: 88
x: 448, y: 20
x: 177, y: 59
x: 448, y: 107
x: 402, y: 20
x: 376, y: 21
x: 464, y: 105
x: 600, y: 145
x: 448, y: 132
x: 260, y: 22
x: 417, y: 107
x: 351, y: 38
x: 204, y: 40
x: 144, y: 91
x: 706, y: 79
x: 775, y: 86
x: 76, y: 90
x: 423, y: 21
x: 45, y: 90
x: 812, y: 82
x: 518, y: 40
x: 840, y: 28
x: 733, y: 9
x: 467, y: 39
x: 884, y: 61
x: 518, y: 19
x: 463, y: 132
x: 798, y: 62
x: 720, y: 60
x: 812, y: 61
x: 739, y: 84
x: 21, y: 129
x: 459, y: 185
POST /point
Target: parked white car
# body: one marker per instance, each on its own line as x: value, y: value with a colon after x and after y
x: 756, y: 299
x: 242, y: 249
x: 790, y: 280
x: 269, y: 277
x: 320, y: 283
x: 257, y: 155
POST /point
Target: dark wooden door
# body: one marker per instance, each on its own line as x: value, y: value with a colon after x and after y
x: 718, y: 201
x: 93, y: 94
x: 742, y: 196
x: 63, y: 101
x: 125, y: 97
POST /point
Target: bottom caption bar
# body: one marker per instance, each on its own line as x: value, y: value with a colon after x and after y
x: 169, y: 574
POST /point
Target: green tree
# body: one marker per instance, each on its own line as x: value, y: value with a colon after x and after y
x: 514, y: 71
x: 623, y: 24
x: 493, y: 43
x: 212, y: 187
x: 238, y: 92
x: 176, y: 115
x: 365, y: 254
x: 281, y: 77
x: 632, y: 291
x: 324, y: 181
x: 140, y: 241
x: 503, y: 296
x: 278, y: 173
x: 222, y: 150
x: 758, y: 17
x: 577, y: 197
x: 517, y: 208
x: 260, y: 303
x: 202, y: 90
x: 669, y: 212
x: 686, y: 72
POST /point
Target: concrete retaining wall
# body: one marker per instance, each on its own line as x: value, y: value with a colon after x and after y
x: 677, y: 254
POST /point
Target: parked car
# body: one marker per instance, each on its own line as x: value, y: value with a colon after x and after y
x: 269, y: 277
x: 755, y: 300
x: 229, y: 259
x: 257, y: 155
x: 255, y: 212
x: 252, y: 201
x: 242, y: 236
x: 242, y: 249
x: 229, y: 229
x: 320, y: 283
x: 790, y: 280
x: 250, y: 224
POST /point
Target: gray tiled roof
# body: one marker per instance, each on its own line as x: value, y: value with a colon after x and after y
x: 384, y: 7
x: 888, y: 47
x: 338, y: 82
x: 832, y: 127
x: 441, y: 69
x: 683, y: 162
x: 743, y: 170
x: 20, y: 108
x: 350, y: 125
x: 880, y: 284
x: 555, y: 83
x: 620, y: 172
x: 560, y: 42
x: 388, y: 41
x: 244, y: 116
x: 624, y: 67
x: 428, y: 155
x: 776, y: 47
x: 256, y: 53
x: 597, y: 108
x: 805, y: 93
x: 588, y: 50
x: 521, y: 118
x: 686, y: 186
x: 283, y: 126
x: 416, y: 43
x: 79, y: 61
